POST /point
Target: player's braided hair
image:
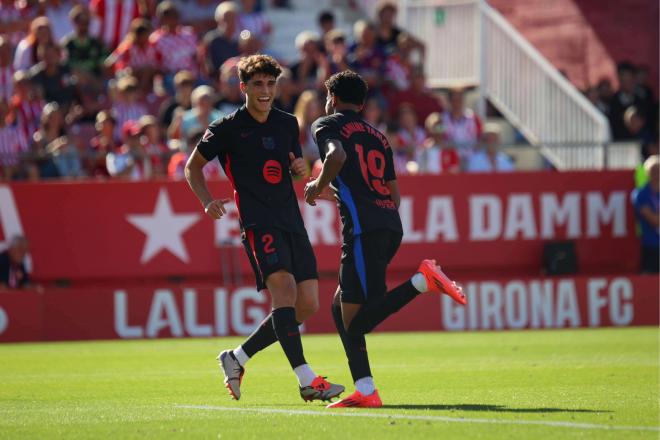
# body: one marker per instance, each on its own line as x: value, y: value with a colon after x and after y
x: 255, y: 64
x: 348, y: 86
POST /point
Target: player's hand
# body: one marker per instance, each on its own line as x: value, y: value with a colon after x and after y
x: 216, y: 208
x: 297, y: 165
x: 312, y: 192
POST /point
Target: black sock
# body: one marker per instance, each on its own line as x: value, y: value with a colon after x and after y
x: 286, y: 329
x: 355, y: 347
x: 262, y: 337
x: 374, y: 312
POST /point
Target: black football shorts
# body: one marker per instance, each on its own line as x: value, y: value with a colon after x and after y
x: 272, y: 249
x: 364, y: 261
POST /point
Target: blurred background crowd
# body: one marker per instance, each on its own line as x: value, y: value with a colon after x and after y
x: 124, y: 89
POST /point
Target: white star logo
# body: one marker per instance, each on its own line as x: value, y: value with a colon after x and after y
x: 163, y: 229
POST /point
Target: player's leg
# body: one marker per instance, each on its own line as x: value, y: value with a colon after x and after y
x: 348, y: 301
x: 306, y: 276
x: 380, y: 307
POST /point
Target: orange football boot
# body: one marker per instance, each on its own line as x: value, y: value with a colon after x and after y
x: 438, y: 282
x: 358, y: 400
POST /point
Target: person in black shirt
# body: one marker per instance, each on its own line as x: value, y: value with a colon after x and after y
x: 257, y: 145
x: 358, y: 166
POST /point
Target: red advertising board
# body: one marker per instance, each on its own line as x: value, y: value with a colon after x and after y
x: 168, y: 310
x: 490, y: 223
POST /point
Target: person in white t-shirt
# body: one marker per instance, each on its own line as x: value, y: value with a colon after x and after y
x: 488, y: 157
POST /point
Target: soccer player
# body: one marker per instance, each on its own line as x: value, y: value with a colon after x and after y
x: 257, y: 145
x: 357, y: 163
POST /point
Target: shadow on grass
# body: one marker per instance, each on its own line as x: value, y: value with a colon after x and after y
x: 493, y: 408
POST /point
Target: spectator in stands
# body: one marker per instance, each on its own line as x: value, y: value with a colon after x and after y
x: 55, y: 78
x: 136, y: 56
x: 115, y: 16
x: 624, y: 98
x: 399, y: 66
x: 437, y: 156
x: 198, y: 117
x: 372, y: 112
x: 252, y: 20
x: 196, y: 13
x: 52, y: 141
x: 128, y: 105
x: 326, y: 22
x: 221, y: 43
x: 84, y: 52
x: 286, y: 92
x: 184, y: 82
x: 646, y: 201
x: 594, y: 97
x: 401, y: 155
x: 57, y: 12
x: 14, y: 19
x: 101, y: 144
x: 13, y: 274
x: 27, y: 50
x: 388, y: 33
x: 336, y: 54
x: 175, y: 169
x: 230, y: 90
x: 305, y: 71
x: 10, y: 145
x: 308, y: 109
x: 489, y: 157
x: 635, y: 121
x: 129, y: 161
x: 418, y: 96
x: 248, y: 44
x: 176, y: 45
x: 365, y: 55
x: 153, y: 144
x: 6, y: 69
x: 410, y: 135
x: 26, y: 106
x: 462, y: 124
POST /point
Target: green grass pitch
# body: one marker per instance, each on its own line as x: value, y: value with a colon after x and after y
x: 530, y: 385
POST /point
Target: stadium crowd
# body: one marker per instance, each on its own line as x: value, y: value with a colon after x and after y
x: 125, y: 88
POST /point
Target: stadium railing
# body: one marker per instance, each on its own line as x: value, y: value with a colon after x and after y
x: 470, y: 43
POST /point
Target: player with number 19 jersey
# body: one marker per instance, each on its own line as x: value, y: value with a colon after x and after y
x: 364, y: 199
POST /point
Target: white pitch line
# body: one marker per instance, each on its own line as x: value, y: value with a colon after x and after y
x: 417, y: 417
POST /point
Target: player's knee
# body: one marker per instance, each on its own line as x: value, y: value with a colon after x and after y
x: 355, y: 329
x: 306, y: 309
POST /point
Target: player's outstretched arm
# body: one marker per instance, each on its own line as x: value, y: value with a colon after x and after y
x: 195, y: 177
x: 334, y: 160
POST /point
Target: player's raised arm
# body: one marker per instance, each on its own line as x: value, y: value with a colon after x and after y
x: 195, y: 177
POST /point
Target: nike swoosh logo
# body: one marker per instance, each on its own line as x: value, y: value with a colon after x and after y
x: 244, y: 135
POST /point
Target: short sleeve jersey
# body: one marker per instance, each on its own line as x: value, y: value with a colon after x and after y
x: 255, y: 158
x: 365, y: 203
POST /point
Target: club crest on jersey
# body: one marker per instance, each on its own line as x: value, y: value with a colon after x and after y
x: 268, y: 143
x: 208, y: 134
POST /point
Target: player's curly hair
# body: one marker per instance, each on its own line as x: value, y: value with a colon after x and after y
x: 348, y: 86
x: 255, y: 64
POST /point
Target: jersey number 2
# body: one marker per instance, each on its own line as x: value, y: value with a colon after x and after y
x: 267, y: 240
x: 373, y: 169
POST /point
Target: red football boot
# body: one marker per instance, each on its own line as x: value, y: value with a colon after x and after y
x: 358, y: 400
x: 438, y: 282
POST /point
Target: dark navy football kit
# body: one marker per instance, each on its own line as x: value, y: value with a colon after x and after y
x: 255, y: 158
x: 371, y: 226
